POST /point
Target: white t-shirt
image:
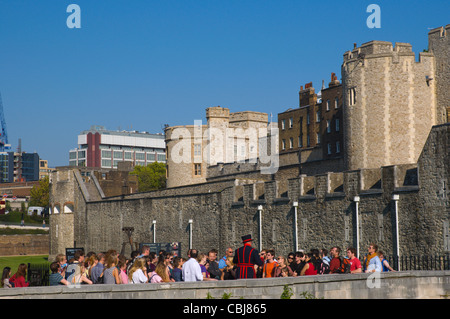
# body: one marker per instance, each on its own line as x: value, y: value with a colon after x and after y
x: 138, y: 277
x: 191, y: 271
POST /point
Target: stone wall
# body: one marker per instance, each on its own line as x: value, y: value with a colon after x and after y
x: 14, y: 245
x: 389, y: 106
x: 439, y: 45
x: 223, y: 211
x: 394, y: 285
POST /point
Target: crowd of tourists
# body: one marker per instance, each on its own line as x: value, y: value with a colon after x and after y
x: 149, y: 267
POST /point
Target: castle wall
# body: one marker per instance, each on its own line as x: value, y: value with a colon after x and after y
x: 389, y: 107
x: 439, y: 46
x: 223, y: 211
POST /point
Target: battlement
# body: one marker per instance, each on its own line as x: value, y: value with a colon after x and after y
x: 377, y: 49
x: 217, y: 112
x: 248, y: 116
x: 376, y: 182
x: 441, y: 32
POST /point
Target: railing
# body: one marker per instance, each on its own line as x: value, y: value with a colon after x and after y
x: 38, y: 274
x: 420, y: 262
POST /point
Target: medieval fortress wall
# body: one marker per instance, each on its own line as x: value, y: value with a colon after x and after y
x: 222, y: 211
x: 397, y: 173
x: 438, y: 45
x: 390, y: 104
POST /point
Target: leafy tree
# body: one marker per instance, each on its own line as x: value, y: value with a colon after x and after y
x: 39, y: 194
x: 151, y: 177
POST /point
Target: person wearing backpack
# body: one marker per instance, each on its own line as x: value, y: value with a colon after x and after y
x: 335, y: 262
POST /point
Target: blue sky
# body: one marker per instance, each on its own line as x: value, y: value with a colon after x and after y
x: 140, y: 64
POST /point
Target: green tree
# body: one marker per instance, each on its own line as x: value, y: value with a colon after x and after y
x: 151, y: 177
x: 39, y: 194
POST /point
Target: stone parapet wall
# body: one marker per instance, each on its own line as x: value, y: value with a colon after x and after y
x: 394, y: 285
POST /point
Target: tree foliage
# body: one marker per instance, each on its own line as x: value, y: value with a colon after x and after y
x: 39, y: 194
x: 151, y: 177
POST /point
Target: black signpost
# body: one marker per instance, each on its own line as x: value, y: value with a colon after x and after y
x: 174, y: 247
x: 70, y: 252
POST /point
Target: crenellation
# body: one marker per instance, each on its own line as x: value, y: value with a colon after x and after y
x: 335, y: 183
x: 307, y: 185
x: 370, y: 179
x: 386, y: 180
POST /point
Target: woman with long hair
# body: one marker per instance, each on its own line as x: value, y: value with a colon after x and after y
x: 137, y: 273
x: 19, y: 277
x: 309, y: 268
x: 111, y: 273
x: 160, y: 274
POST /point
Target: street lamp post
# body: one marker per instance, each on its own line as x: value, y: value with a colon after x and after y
x: 260, y: 209
x: 190, y: 233
x: 295, y: 204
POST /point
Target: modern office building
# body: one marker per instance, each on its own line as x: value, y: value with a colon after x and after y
x: 102, y: 148
x: 19, y: 167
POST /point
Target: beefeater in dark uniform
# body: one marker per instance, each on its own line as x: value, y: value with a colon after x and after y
x: 245, y: 258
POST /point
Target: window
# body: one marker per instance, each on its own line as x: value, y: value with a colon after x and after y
x: 318, y: 138
x: 161, y: 157
x: 283, y: 144
x: 106, y: 163
x: 291, y: 122
x: 337, y: 125
x: 128, y: 155
x: 197, y: 149
x: 329, y: 148
x: 307, y: 119
x: 336, y: 103
x: 291, y: 142
x: 338, y: 147
x: 300, y: 141
x: 328, y: 105
x: 328, y: 126
x: 352, y: 96
x: 308, y: 140
x: 106, y: 154
x: 283, y: 124
x: 318, y: 117
x: 197, y: 169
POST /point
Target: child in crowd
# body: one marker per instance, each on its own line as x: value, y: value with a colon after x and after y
x: 5, y: 278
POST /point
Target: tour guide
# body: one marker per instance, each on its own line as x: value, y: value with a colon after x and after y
x: 245, y: 259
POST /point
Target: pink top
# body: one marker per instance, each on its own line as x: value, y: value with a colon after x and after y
x: 155, y: 278
x: 123, y: 276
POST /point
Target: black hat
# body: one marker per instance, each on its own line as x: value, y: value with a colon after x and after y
x: 247, y: 238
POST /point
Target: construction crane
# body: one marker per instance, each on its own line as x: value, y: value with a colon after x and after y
x: 4, y: 146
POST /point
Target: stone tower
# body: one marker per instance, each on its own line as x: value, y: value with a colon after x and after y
x: 439, y: 45
x: 226, y: 138
x: 389, y: 104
